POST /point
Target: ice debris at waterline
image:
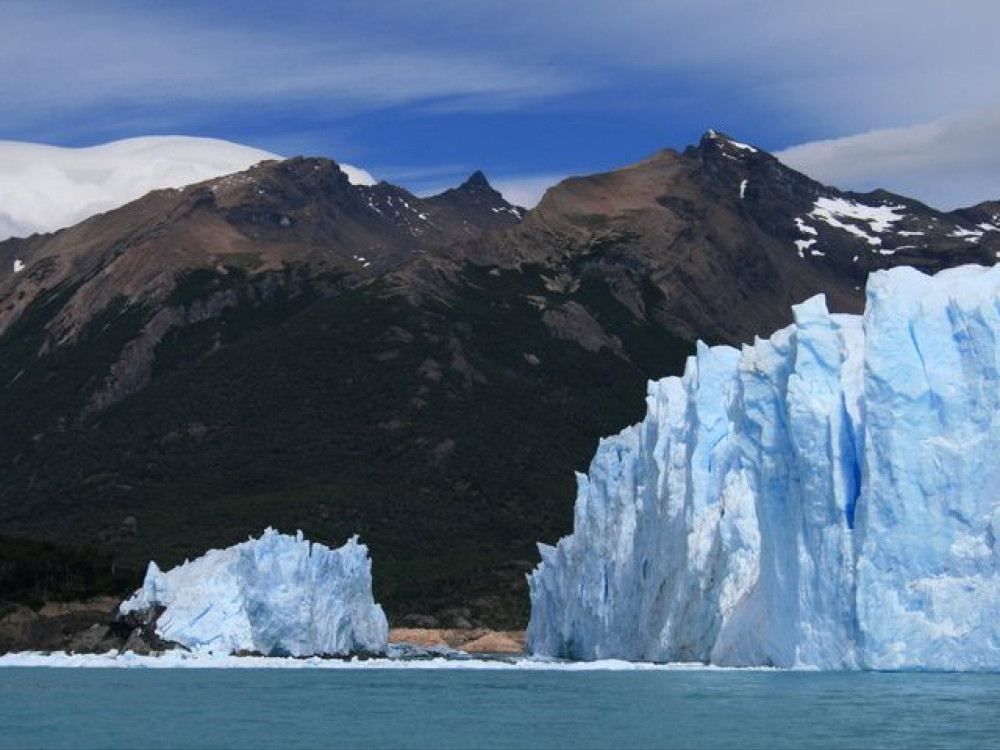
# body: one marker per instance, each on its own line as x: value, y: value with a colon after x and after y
x: 278, y: 595
x: 829, y: 497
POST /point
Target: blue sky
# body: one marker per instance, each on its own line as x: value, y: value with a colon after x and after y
x: 897, y: 93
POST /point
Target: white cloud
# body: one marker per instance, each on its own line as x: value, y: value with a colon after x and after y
x: 947, y: 163
x: 44, y: 188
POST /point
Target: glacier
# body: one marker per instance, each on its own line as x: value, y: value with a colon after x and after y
x: 277, y: 595
x: 826, y: 498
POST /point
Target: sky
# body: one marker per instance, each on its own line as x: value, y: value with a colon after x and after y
x: 902, y: 94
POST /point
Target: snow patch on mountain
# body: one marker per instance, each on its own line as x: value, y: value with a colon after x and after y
x: 823, y: 498
x: 715, y: 135
x: 44, y: 188
x: 278, y: 595
x: 969, y: 235
x: 802, y: 245
x: 879, y: 219
x: 742, y: 146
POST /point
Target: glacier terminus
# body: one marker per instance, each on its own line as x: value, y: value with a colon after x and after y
x: 827, y: 498
x: 277, y: 595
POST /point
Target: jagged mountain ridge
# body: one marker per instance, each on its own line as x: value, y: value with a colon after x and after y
x: 275, y: 214
x: 190, y: 368
x: 732, y: 237
x: 274, y: 217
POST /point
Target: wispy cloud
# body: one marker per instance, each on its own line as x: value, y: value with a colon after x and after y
x: 127, y: 58
x: 835, y: 68
x: 849, y: 65
x: 947, y: 163
x: 843, y: 66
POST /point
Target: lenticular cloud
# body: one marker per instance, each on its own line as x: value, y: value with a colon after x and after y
x: 45, y: 188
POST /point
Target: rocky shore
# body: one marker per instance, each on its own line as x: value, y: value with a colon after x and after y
x: 94, y: 626
x: 91, y: 626
x: 471, y: 640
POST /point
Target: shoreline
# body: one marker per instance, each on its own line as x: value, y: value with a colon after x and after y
x: 91, y: 627
x: 186, y: 660
x: 469, y: 640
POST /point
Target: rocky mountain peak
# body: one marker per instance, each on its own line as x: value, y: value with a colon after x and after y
x: 303, y: 211
x: 476, y: 196
x: 477, y: 182
x: 715, y: 141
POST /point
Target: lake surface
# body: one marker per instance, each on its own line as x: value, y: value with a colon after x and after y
x: 416, y: 708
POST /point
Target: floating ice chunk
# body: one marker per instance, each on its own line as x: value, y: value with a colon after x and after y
x: 277, y: 595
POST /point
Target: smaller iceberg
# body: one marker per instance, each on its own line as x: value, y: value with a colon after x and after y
x: 278, y: 595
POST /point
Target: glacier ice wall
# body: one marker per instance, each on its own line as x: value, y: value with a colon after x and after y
x: 828, y: 497
x: 277, y: 595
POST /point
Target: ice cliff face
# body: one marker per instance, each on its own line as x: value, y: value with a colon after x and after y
x: 829, y: 497
x: 278, y: 595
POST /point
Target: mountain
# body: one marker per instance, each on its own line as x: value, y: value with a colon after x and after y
x: 204, y: 240
x: 824, y: 498
x: 731, y: 238
x: 283, y: 347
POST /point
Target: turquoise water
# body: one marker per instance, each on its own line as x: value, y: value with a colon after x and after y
x: 42, y: 707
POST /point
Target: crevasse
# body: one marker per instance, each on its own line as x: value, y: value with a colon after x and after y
x: 278, y: 595
x: 828, y: 497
